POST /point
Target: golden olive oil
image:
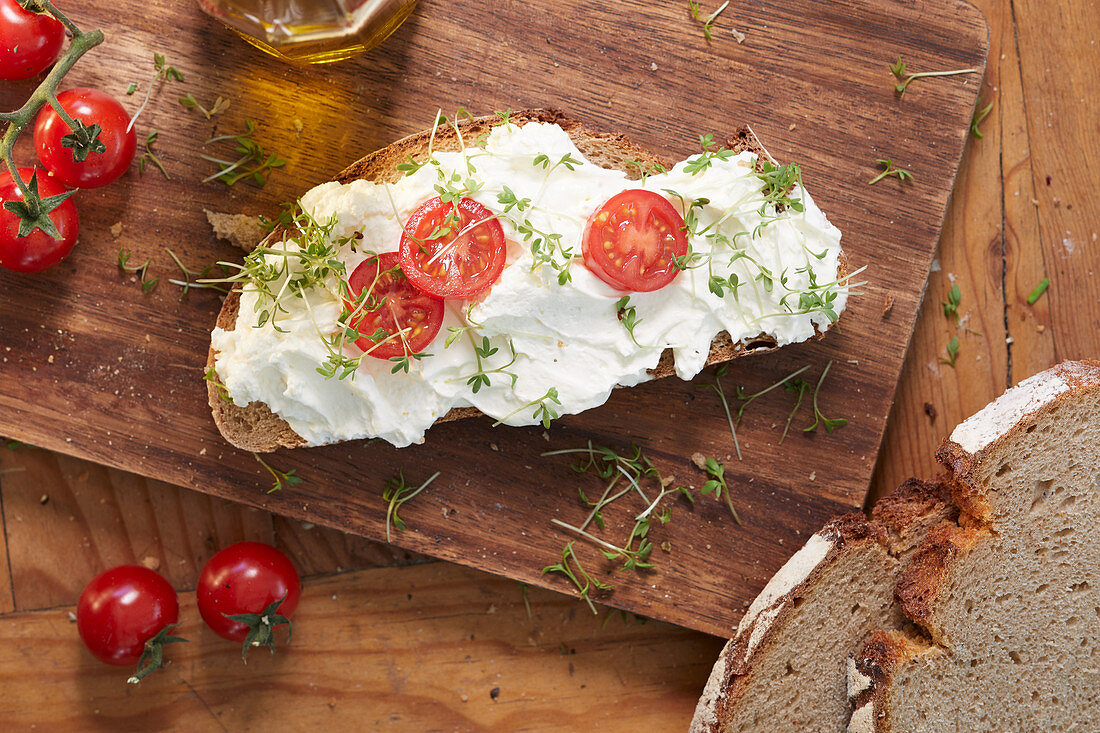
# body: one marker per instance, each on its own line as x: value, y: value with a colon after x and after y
x: 311, y: 31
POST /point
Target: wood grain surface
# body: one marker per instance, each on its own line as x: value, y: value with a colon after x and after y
x: 1003, y: 219
x: 99, y: 370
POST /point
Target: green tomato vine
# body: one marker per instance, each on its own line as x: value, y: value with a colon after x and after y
x: 33, y: 210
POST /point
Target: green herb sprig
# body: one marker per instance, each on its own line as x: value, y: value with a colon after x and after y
x: 901, y: 73
x: 221, y: 104
x: 142, y: 270
x: 951, y: 305
x: 707, y: 21
x: 254, y: 164
x: 628, y: 316
x: 545, y: 409
x: 819, y: 417
x: 187, y: 283
x: 395, y: 494
x: 282, y: 478
x: 162, y: 72
x: 952, y: 352
x: 151, y: 156
x: 571, y: 568
x: 888, y: 169
x: 716, y: 484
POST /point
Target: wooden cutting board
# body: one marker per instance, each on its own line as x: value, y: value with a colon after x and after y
x: 94, y: 367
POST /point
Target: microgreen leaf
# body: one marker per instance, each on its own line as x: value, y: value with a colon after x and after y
x: 889, y: 170
x: 1038, y: 291
x: 952, y: 352
x: 281, y: 477
x: 395, y: 494
x: 819, y: 417
x: 951, y: 305
x: 980, y: 113
x: 900, y: 72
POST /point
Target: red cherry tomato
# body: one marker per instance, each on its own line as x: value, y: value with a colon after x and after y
x: 394, y: 306
x: 29, y: 42
x: 92, y: 107
x: 121, y: 609
x: 446, y: 253
x: 245, y: 578
x: 36, y: 251
x: 631, y: 240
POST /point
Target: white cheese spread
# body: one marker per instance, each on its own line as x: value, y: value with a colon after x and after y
x: 566, y: 337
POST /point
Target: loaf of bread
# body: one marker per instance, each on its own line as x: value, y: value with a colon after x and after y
x: 785, y: 668
x: 1008, y: 600
x: 968, y: 604
x: 256, y: 428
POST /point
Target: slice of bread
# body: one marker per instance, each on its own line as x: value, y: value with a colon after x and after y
x: 785, y: 668
x: 256, y: 428
x: 1009, y: 600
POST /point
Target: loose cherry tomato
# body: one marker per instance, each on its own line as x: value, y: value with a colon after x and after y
x: 36, y: 251
x: 254, y: 582
x: 445, y: 252
x: 123, y: 608
x: 29, y: 42
x: 631, y: 240
x: 92, y: 107
x: 410, y: 318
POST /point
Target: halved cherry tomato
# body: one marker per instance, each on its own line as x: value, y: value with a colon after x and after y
x: 92, y: 107
x: 409, y: 317
x: 445, y: 251
x: 631, y: 240
x: 29, y: 42
x: 38, y: 250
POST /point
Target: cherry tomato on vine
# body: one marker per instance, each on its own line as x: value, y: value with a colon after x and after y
x: 446, y: 253
x: 29, y: 42
x: 410, y: 318
x: 121, y: 610
x: 107, y: 160
x: 253, y: 583
x: 38, y: 250
x: 631, y: 240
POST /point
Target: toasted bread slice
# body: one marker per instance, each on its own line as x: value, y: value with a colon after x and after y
x: 256, y: 428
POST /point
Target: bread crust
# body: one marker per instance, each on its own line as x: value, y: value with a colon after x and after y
x: 965, y: 469
x: 733, y: 674
x: 928, y: 577
x: 256, y: 428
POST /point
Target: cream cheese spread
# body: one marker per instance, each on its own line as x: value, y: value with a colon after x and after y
x: 566, y: 338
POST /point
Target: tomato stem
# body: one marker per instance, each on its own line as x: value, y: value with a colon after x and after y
x: 20, y: 119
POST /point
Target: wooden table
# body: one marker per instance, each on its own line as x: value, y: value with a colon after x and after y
x: 385, y: 639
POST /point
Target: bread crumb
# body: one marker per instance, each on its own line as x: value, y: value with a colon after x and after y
x: 153, y: 563
x: 813, y: 475
x: 699, y: 460
x: 791, y: 126
x: 653, y: 66
x: 240, y: 230
x: 887, y: 306
x: 298, y: 126
x: 116, y: 229
x: 738, y: 35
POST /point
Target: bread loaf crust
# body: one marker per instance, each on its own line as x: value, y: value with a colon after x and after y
x: 256, y: 428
